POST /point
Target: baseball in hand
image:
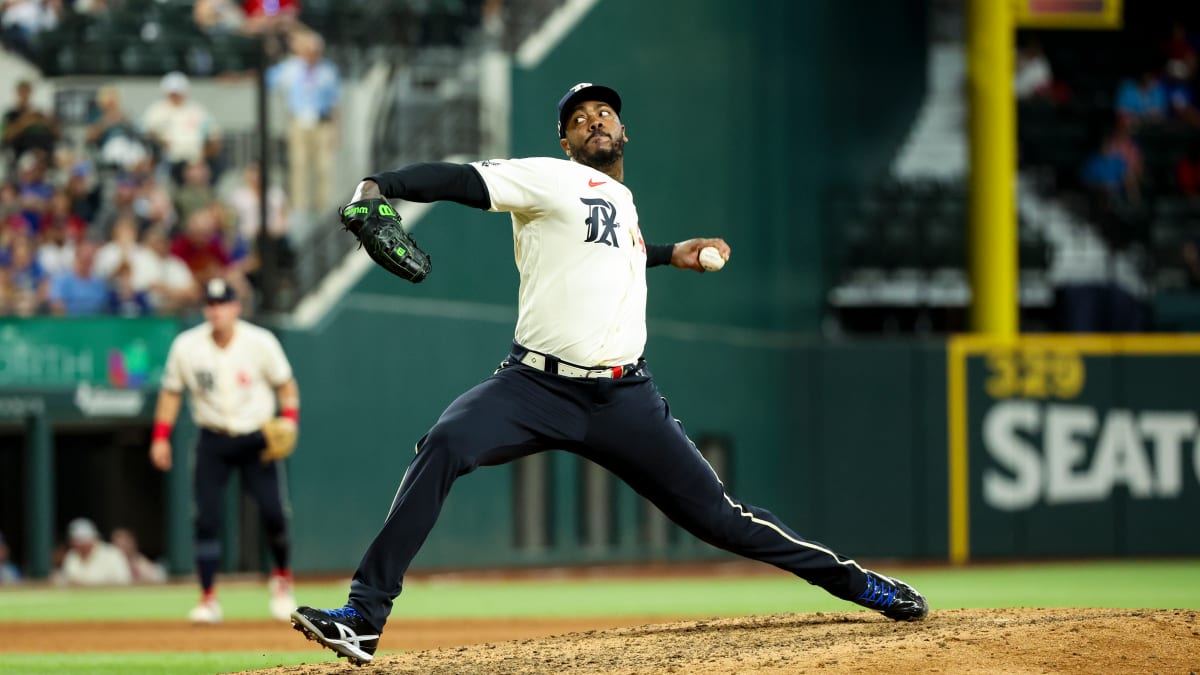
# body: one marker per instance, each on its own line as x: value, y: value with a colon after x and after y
x: 710, y: 259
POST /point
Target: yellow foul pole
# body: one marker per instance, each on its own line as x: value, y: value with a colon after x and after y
x: 992, y: 252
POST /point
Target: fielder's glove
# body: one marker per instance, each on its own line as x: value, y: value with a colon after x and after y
x: 280, y: 434
x: 378, y: 229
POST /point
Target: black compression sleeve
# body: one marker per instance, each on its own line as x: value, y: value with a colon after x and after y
x: 659, y: 254
x: 435, y: 181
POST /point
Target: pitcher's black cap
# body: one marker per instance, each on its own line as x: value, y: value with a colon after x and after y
x: 584, y: 91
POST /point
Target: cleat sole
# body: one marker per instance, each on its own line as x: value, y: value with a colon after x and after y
x: 315, y: 635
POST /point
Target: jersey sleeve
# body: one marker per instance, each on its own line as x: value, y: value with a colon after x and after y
x: 275, y: 364
x: 172, y: 377
x: 516, y: 185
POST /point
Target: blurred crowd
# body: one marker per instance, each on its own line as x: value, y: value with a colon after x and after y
x: 1142, y: 159
x: 131, y: 223
x: 1161, y: 95
x: 84, y: 558
x: 136, y: 218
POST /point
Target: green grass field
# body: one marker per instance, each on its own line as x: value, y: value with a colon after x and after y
x: 1132, y: 584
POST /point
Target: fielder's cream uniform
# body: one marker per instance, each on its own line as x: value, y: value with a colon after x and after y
x: 231, y: 388
x: 232, y: 392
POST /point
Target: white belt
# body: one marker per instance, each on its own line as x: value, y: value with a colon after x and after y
x: 535, y: 360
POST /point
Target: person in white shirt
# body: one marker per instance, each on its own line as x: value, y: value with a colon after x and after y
x: 172, y: 286
x: 1033, y: 76
x: 183, y: 129
x: 234, y: 373
x: 575, y: 378
x: 89, y: 560
x: 124, y: 248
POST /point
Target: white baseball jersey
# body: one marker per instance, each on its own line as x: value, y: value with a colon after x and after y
x: 231, y: 389
x: 581, y: 257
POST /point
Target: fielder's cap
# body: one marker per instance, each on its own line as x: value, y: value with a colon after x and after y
x: 584, y: 91
x: 218, y: 291
x: 174, y: 82
x: 81, y: 531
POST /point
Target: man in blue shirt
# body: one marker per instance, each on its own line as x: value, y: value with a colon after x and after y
x: 310, y: 84
x: 78, y: 292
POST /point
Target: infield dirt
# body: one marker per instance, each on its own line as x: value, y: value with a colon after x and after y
x: 948, y: 641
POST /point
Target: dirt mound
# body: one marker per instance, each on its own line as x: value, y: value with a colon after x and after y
x: 949, y: 641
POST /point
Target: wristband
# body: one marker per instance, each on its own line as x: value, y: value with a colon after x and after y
x: 292, y: 414
x: 659, y: 254
x: 162, y: 431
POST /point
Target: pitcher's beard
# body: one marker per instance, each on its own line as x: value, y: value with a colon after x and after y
x: 600, y: 160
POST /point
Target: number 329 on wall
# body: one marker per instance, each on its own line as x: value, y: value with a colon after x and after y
x: 1034, y: 373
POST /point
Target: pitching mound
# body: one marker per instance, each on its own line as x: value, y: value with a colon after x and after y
x: 949, y: 641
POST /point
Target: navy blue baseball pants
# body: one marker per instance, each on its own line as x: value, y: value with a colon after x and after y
x: 217, y: 455
x: 625, y: 426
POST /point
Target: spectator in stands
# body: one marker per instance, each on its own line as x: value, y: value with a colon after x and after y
x: 1033, y: 78
x: 272, y: 20
x: 10, y: 208
x: 28, y: 281
x: 89, y: 560
x: 197, y: 192
x: 246, y: 202
x: 1187, y: 171
x: 1180, y: 45
x: 83, y: 190
x: 9, y: 573
x: 22, y: 20
x: 59, y: 214
x: 218, y: 17
x: 201, y: 246
x: 1107, y: 173
x: 124, y: 299
x: 124, y: 248
x: 28, y: 129
x: 79, y: 292
x: 1142, y: 101
x: 142, y: 568
x: 182, y: 129
x: 34, y: 192
x: 153, y: 201
x: 270, y: 14
x: 121, y: 203
x: 112, y: 135
x: 1181, y: 99
x: 56, y: 250
x: 172, y: 288
x: 310, y: 84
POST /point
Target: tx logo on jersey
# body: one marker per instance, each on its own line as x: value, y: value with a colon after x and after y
x: 602, y: 222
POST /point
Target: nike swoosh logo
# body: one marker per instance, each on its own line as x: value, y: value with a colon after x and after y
x: 592, y: 183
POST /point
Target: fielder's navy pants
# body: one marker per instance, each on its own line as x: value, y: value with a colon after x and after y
x: 625, y: 426
x: 217, y: 455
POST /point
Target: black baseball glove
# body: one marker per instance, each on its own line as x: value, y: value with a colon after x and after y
x: 378, y: 228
